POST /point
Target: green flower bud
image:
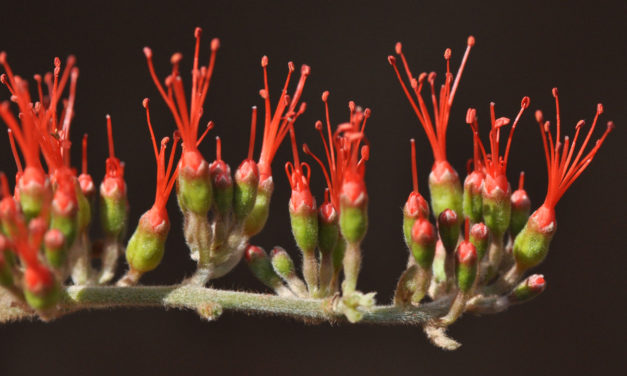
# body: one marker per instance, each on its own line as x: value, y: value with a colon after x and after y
x: 304, y: 220
x: 261, y: 266
x: 222, y: 187
x: 415, y: 207
x: 422, y: 243
x: 328, y: 228
x: 54, y: 248
x: 282, y: 263
x: 532, y: 243
x: 245, y: 189
x: 480, y: 238
x: 113, y: 207
x: 466, y: 266
x: 445, y: 188
x: 472, y: 201
x: 146, y: 247
x: 496, y: 204
x: 448, y: 228
x: 528, y: 289
x: 41, y: 290
x: 257, y: 217
x: 35, y: 192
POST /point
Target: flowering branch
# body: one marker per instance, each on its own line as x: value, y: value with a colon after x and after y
x: 474, y: 259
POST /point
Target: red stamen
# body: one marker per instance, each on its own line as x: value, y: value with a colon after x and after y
x: 16, y: 156
x: 414, y: 170
x: 146, y: 103
x: 84, y: 155
x: 253, y: 132
x: 521, y: 180
x: 218, y: 148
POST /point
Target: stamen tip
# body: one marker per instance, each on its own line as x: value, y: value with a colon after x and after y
x: 3, y: 57
x: 398, y: 48
x: 197, y: 32
x: 57, y: 62
x: 264, y: 61
x: 176, y: 58
x: 290, y: 66
x: 539, y: 116
x: 215, y: 44
x: 148, y: 52
x: 145, y: 102
x: 554, y: 92
x: 305, y: 70
x: 600, y: 108
x: 471, y: 41
x: 325, y: 95
x: 610, y: 126
x: 391, y: 60
x: 447, y: 53
x: 525, y: 102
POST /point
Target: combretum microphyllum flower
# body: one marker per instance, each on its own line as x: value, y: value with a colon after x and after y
x: 468, y: 251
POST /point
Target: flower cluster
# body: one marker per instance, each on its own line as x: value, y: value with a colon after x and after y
x: 474, y: 256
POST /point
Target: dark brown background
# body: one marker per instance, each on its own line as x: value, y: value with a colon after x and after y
x: 575, y: 327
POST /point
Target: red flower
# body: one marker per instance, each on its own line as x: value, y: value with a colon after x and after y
x: 495, y: 165
x: 563, y: 165
x: 434, y: 128
x: 301, y: 200
x: 345, y: 155
x: 187, y: 121
x: 278, y: 124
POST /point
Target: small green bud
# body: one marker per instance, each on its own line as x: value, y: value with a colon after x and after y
x: 445, y: 188
x: 448, y: 228
x: 472, y: 201
x: 113, y: 207
x: 54, y: 248
x: 282, y: 263
x: 466, y: 266
x: 304, y: 220
x: 257, y: 217
x: 245, y: 189
x: 528, y: 289
x: 480, y: 238
x: 496, y: 204
x: 146, y: 247
x: 422, y: 243
x: 261, y: 266
x: 41, y: 290
x: 222, y: 187
x: 328, y: 228
x: 194, y: 191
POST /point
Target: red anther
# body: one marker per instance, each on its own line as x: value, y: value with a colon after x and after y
x: 148, y: 52
x: 391, y: 60
x: 3, y: 57
x: 525, y: 102
x: 16, y: 156
x: 290, y: 66
x: 197, y: 32
x: 325, y: 96
x: 145, y: 102
x: 264, y: 61
x: 3, y: 78
x: 176, y: 58
x: 580, y: 124
x: 554, y: 92
x: 600, y: 108
x: 215, y: 44
x: 447, y: 53
x: 398, y: 48
x: 57, y: 62
x: 471, y: 41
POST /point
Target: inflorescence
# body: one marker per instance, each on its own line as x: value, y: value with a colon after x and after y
x: 474, y: 257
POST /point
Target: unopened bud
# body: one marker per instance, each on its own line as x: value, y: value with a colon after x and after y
x: 496, y: 204
x: 328, y: 228
x: 466, y: 265
x: 480, y: 238
x: 41, y: 290
x: 245, y: 190
x: 53, y: 248
x: 448, y: 228
x: 261, y: 266
x: 528, y: 289
x: 34, y: 192
x: 472, y: 201
x: 114, y: 207
x: 422, y: 243
x: 282, y: 263
x: 222, y: 186
x: 415, y: 207
x: 304, y: 220
x: 353, y: 210
x: 532, y: 242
